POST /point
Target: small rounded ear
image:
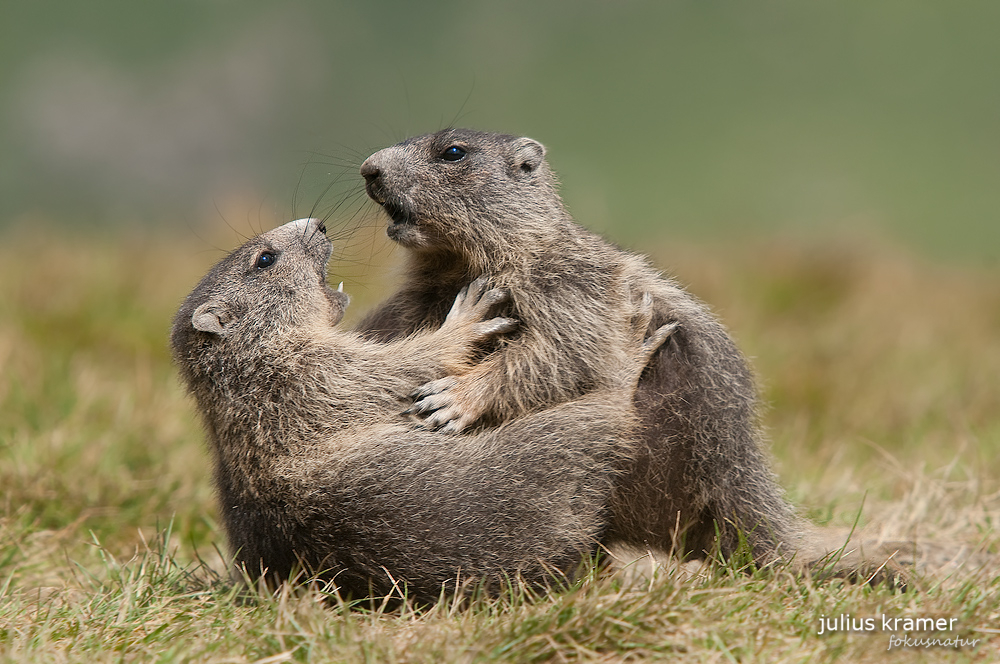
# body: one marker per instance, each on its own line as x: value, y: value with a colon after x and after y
x: 212, y: 316
x: 528, y: 155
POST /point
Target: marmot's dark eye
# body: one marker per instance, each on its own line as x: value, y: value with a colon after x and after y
x: 453, y: 153
x: 266, y: 260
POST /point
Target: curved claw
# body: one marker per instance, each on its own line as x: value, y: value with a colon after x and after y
x: 493, y: 296
x: 653, y: 342
x: 441, y: 418
x: 434, y: 387
x: 642, y: 316
x: 476, y: 288
x: 456, y: 307
x: 495, y: 326
x: 457, y: 425
x: 428, y: 404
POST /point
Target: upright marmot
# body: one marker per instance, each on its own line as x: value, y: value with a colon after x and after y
x: 467, y: 203
x: 316, y: 470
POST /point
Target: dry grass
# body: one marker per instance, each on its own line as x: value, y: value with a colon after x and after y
x: 882, y: 372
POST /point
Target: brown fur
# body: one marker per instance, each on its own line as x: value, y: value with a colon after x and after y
x: 699, y: 469
x: 316, y: 469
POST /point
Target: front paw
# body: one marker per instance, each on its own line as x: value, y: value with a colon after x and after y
x: 474, y: 302
x: 440, y: 406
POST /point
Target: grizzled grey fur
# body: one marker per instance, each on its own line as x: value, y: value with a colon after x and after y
x: 468, y: 203
x: 316, y: 469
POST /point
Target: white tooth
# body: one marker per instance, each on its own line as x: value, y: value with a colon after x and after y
x: 340, y: 288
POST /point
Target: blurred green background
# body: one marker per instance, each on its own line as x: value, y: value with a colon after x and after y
x: 682, y: 119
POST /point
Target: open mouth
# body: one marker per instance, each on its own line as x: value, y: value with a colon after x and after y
x: 397, y: 213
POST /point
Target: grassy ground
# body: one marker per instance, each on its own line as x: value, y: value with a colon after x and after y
x: 881, y: 370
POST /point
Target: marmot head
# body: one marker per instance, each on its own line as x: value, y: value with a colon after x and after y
x: 458, y: 188
x: 273, y: 283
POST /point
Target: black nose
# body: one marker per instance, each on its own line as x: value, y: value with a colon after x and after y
x: 370, y: 170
